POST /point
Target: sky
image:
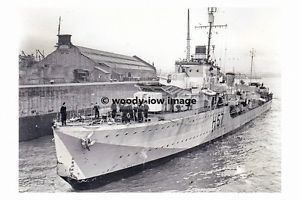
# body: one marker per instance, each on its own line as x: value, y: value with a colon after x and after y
x: 156, y: 30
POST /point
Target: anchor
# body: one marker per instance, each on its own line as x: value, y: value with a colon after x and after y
x: 87, y: 142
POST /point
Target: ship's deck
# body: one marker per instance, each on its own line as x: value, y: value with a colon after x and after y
x: 91, y: 122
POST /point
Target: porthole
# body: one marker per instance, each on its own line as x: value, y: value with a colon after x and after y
x: 121, y: 156
x: 167, y: 145
x: 126, y: 133
x: 150, y: 130
x: 117, y: 135
x: 134, y: 133
x: 136, y: 153
x: 128, y: 155
x: 106, y: 136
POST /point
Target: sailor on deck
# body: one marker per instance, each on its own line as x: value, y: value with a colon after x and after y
x: 146, y: 109
x: 113, y: 110
x: 130, y: 112
x: 127, y: 111
x: 96, y: 108
x: 63, y: 114
x: 122, y: 111
x: 140, y: 113
x: 135, y: 108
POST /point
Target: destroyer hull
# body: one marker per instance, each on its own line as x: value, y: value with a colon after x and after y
x: 128, y: 149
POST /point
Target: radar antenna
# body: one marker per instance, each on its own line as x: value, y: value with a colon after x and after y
x: 211, y: 11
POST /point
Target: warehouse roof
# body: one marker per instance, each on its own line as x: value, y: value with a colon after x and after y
x: 114, y: 60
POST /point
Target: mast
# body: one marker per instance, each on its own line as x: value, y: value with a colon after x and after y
x: 188, y: 39
x: 211, y: 11
x: 59, y: 21
x: 252, y: 54
x: 224, y: 62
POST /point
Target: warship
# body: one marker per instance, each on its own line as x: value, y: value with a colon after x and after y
x: 95, y: 151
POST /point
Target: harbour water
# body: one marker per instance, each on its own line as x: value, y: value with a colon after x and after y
x: 248, y: 160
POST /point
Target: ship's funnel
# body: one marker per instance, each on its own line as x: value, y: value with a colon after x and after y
x: 230, y: 78
x: 64, y: 40
x: 200, y: 52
